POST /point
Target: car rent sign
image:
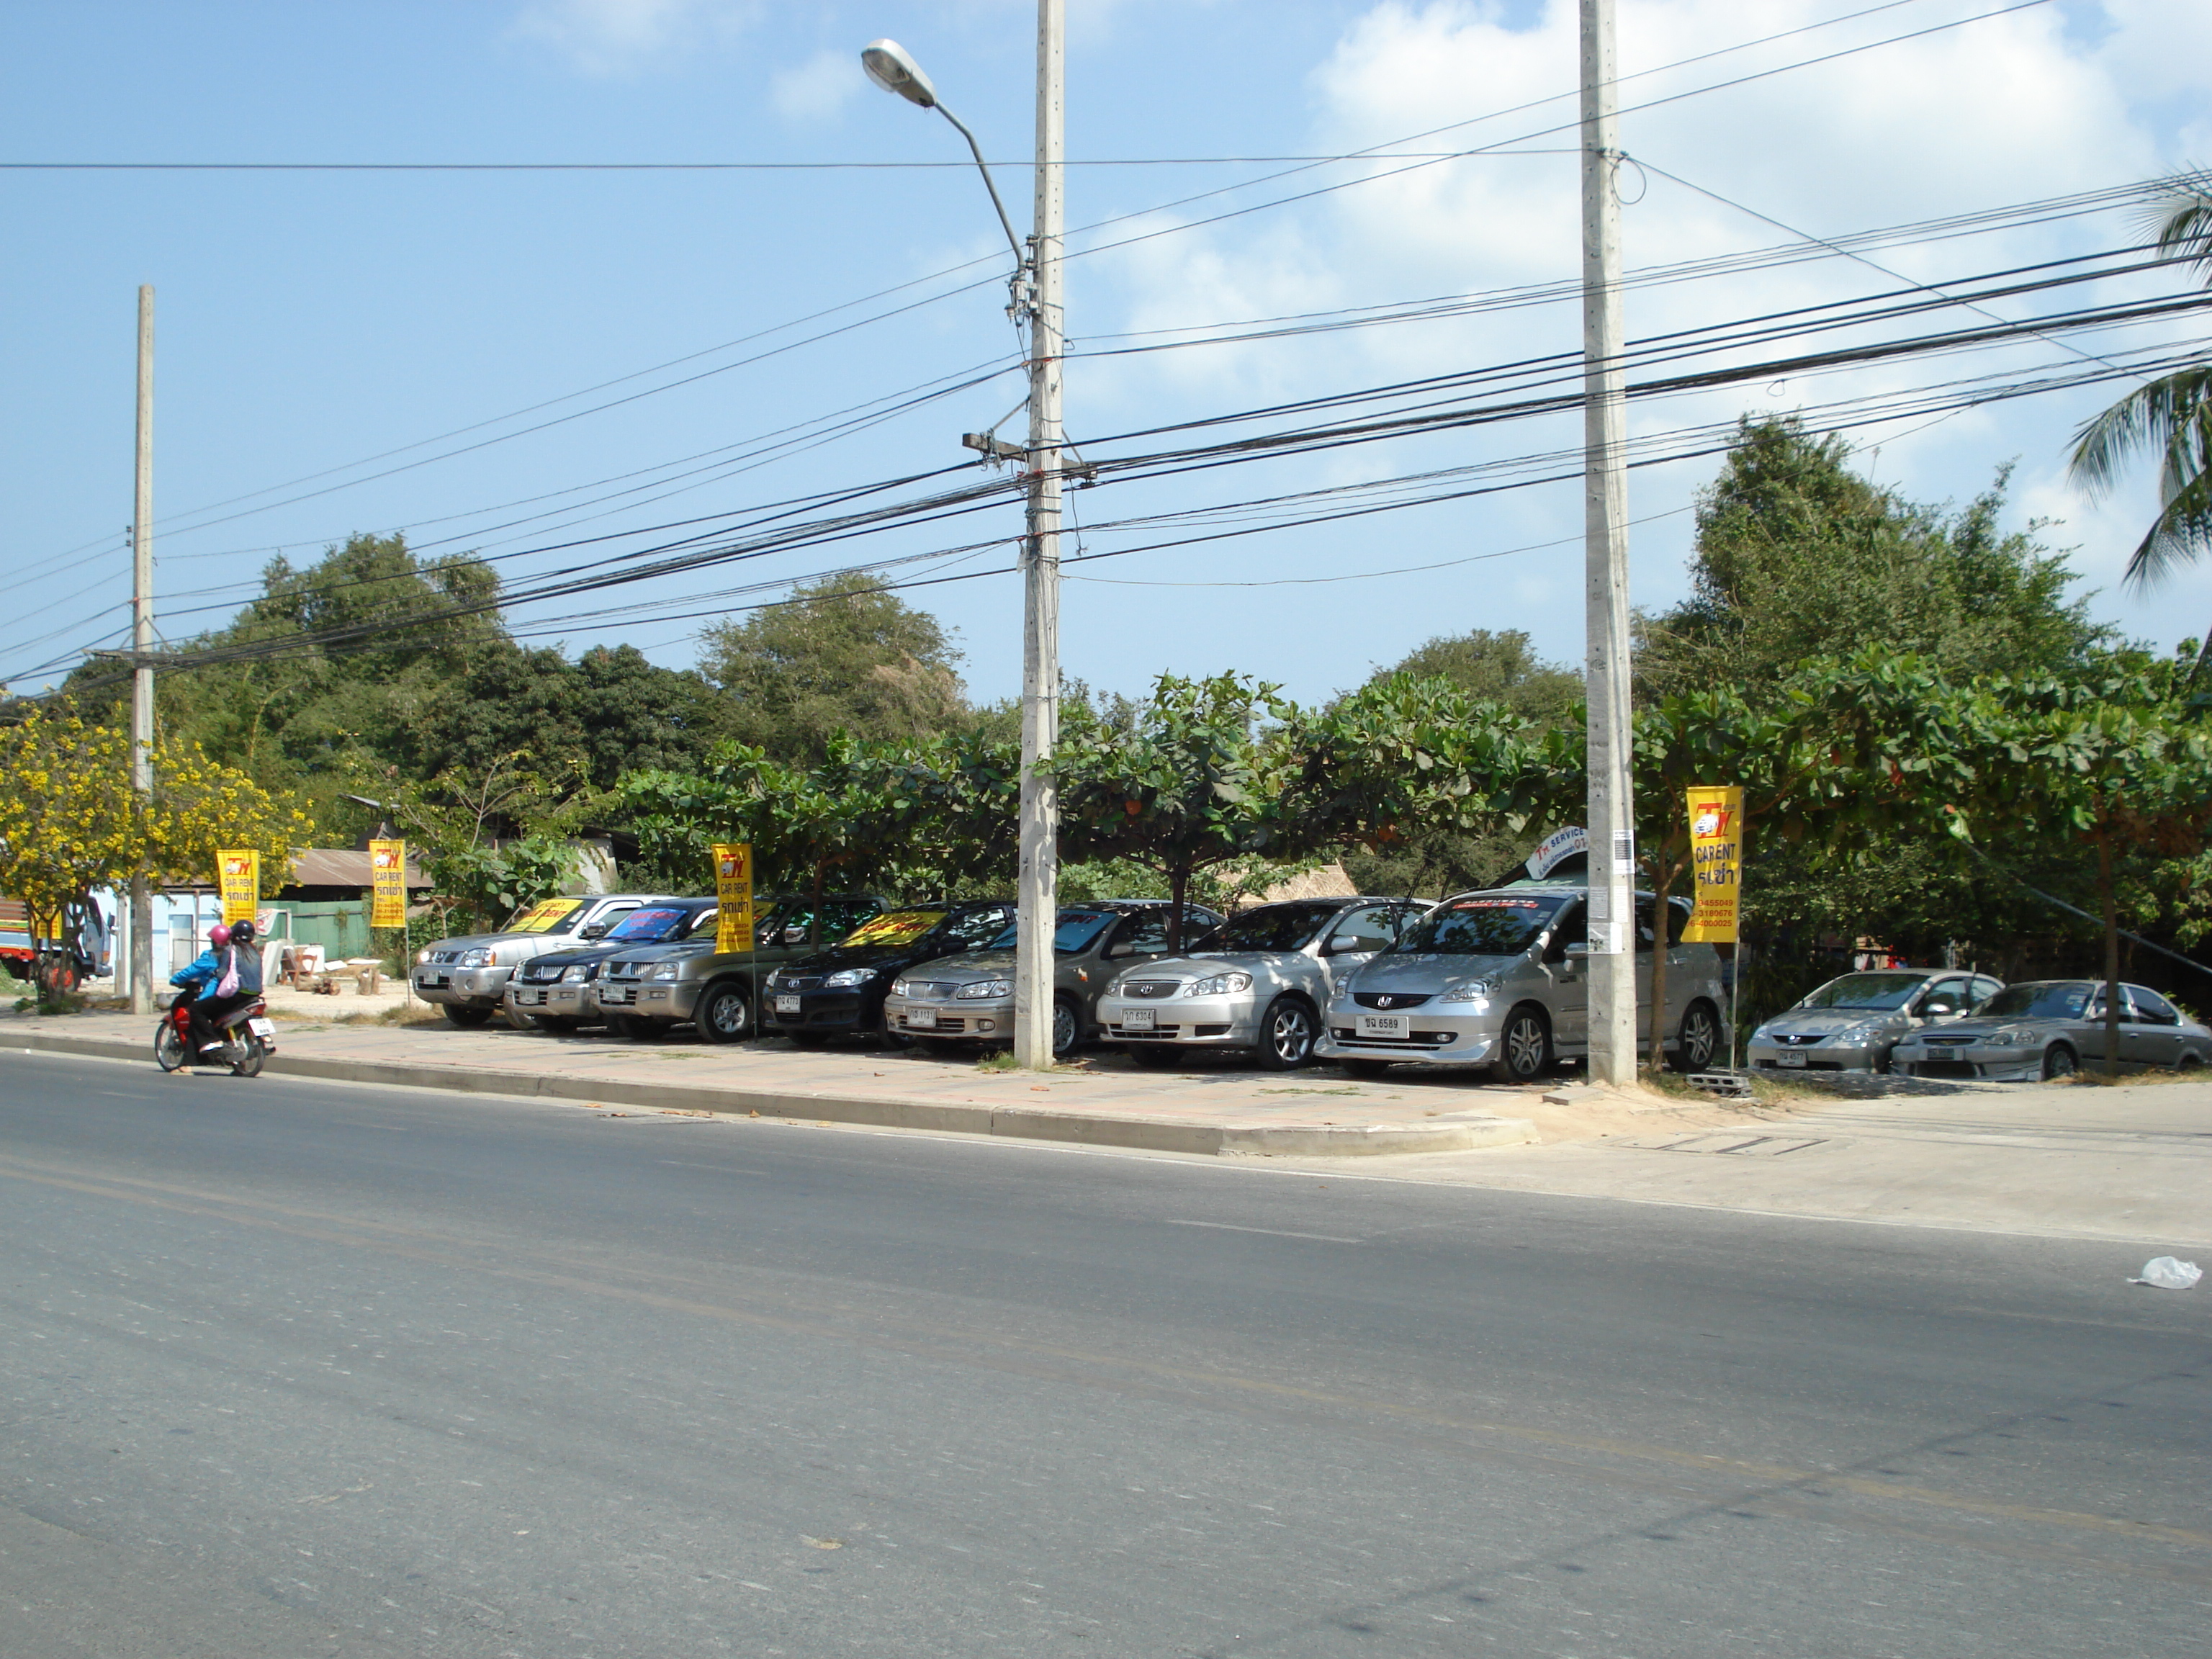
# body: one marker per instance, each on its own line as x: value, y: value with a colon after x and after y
x: 734, y: 890
x: 1716, y: 863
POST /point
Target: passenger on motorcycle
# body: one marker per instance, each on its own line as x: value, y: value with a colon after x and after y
x: 224, y: 976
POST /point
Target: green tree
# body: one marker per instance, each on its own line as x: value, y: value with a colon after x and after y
x: 837, y: 655
x: 2170, y: 417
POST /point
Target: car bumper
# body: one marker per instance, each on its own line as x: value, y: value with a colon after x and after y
x: 1813, y: 1057
x: 817, y: 1011
x: 464, y: 987
x: 1186, y: 1022
x: 553, y: 1001
x: 668, y: 1000
x: 1971, y: 1064
x: 1433, y: 1039
x: 977, y: 1020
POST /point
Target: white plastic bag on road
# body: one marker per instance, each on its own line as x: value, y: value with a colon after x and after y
x: 2165, y: 1273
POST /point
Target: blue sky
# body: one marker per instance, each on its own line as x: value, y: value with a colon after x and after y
x: 311, y: 321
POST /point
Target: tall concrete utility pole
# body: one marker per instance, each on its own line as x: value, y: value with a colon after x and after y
x: 142, y: 641
x: 1038, y: 887
x: 1605, y: 514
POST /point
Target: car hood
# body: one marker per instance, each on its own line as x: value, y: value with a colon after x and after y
x: 473, y: 941
x: 1205, y: 965
x: 1429, y: 972
x: 1983, y: 1027
x: 851, y: 956
x: 1824, y: 1021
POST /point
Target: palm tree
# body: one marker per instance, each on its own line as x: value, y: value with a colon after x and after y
x: 2171, y: 416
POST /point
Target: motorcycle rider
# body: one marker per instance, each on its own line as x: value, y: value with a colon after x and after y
x: 224, y: 976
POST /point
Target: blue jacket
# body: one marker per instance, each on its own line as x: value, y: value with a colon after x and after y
x: 208, y: 969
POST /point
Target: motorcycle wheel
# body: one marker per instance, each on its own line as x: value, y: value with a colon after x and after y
x: 168, y: 1047
x: 251, y: 1055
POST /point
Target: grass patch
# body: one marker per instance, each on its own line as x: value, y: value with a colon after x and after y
x: 999, y: 1060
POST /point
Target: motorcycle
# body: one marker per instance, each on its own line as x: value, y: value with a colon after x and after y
x: 249, y: 1037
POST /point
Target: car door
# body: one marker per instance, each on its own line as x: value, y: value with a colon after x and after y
x: 2152, y: 1035
x: 1568, y: 997
x: 1355, y: 937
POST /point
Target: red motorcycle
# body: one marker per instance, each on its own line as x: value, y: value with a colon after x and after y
x: 248, y: 1038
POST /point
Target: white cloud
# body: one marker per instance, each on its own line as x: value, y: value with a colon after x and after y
x: 622, y: 37
x: 817, y: 89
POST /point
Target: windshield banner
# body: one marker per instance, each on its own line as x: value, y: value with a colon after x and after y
x: 1717, y: 859
x: 388, y: 875
x: 540, y: 917
x: 733, y: 887
x: 239, y: 874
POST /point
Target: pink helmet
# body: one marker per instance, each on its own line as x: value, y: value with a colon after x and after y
x: 218, y: 936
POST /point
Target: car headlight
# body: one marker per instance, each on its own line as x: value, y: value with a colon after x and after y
x: 1221, y: 985
x: 475, y: 958
x: 2004, y: 1040
x: 845, y: 978
x: 1854, y: 1036
x: 984, y: 989
x: 422, y: 954
x: 666, y: 970
x: 576, y: 974
x: 1474, y: 990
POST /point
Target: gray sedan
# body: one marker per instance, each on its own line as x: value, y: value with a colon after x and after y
x: 1851, y: 1024
x: 2053, y: 1028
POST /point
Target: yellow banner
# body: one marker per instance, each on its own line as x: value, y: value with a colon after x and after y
x: 1716, y: 862
x: 238, y: 875
x: 388, y: 875
x: 540, y: 917
x: 734, y: 886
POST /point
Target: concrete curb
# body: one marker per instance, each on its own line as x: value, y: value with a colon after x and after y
x: 1458, y: 1132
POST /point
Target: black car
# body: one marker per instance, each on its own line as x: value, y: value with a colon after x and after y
x: 841, y: 990
x: 554, y: 991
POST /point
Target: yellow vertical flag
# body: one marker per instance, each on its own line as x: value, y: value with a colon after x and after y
x: 238, y: 876
x: 1716, y: 863
x: 388, y: 878
x: 734, y: 886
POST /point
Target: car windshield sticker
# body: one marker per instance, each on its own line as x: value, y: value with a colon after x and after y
x: 651, y: 922
x: 899, y: 927
x: 544, y: 916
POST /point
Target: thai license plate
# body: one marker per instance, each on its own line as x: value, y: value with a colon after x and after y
x: 1382, y: 1025
x: 432, y: 981
x: 921, y: 1019
x: 787, y: 1005
x: 261, y: 1028
x: 1792, y: 1057
x: 1140, y: 1020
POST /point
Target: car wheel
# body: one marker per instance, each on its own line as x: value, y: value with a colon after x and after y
x: 1366, y: 1067
x: 1699, y: 1040
x: 2058, y: 1060
x: 2189, y: 1063
x: 466, y: 1019
x: 1524, y: 1047
x: 1066, y: 1027
x: 1286, y: 1035
x: 725, y: 1014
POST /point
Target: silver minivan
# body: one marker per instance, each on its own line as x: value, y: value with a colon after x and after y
x: 1500, y: 980
x: 1259, y: 981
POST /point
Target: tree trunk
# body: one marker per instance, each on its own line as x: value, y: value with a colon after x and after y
x: 2105, y: 890
x: 814, y: 921
x: 1660, y: 889
x: 1178, y: 884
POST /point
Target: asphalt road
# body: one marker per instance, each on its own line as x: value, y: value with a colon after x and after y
x: 294, y: 1369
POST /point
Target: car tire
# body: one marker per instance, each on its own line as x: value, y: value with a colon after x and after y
x: 1287, y: 1031
x: 724, y: 1013
x: 2059, y: 1060
x: 1370, y: 1068
x: 464, y: 1020
x: 1066, y: 1027
x: 1699, y: 1039
x: 2189, y: 1063
x: 1524, y: 1045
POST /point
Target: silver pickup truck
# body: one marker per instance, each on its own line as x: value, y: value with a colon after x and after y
x: 466, y: 977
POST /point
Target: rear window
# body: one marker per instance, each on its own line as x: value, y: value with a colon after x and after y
x: 1483, y: 927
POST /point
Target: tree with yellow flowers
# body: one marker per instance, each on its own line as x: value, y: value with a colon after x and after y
x: 70, y: 823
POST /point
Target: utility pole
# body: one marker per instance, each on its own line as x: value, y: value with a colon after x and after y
x: 1605, y: 509
x: 142, y: 641
x: 1039, y: 883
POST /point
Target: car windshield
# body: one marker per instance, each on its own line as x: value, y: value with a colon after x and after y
x: 551, y: 915
x: 653, y: 923
x: 1272, y: 928
x: 1077, y: 931
x: 896, y: 928
x: 1484, y: 927
x: 2049, y: 1000
x: 1866, y: 990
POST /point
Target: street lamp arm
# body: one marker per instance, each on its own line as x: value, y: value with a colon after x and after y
x: 1021, y: 256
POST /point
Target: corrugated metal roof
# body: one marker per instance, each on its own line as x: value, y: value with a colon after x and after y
x: 344, y: 867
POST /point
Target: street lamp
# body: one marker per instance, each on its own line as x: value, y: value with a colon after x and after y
x: 1036, y: 302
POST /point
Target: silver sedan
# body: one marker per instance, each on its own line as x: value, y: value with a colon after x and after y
x: 2052, y: 1028
x: 1850, y: 1023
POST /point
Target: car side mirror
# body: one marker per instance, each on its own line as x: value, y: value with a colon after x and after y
x: 597, y: 930
x: 1342, y: 945
x: 794, y: 936
x: 1937, y: 1010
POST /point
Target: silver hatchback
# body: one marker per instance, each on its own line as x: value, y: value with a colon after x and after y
x: 1500, y: 980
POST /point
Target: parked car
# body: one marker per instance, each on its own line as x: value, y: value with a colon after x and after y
x: 840, y: 991
x: 466, y: 977
x: 555, y: 991
x: 970, y: 998
x: 641, y: 992
x: 1500, y: 980
x: 1852, y: 1022
x: 2052, y: 1028
x: 1259, y: 981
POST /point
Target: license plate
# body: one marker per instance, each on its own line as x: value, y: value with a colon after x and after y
x: 787, y: 1005
x: 1791, y: 1057
x: 261, y: 1028
x: 1382, y: 1025
x: 921, y: 1019
x: 432, y: 981
x: 1140, y: 1020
